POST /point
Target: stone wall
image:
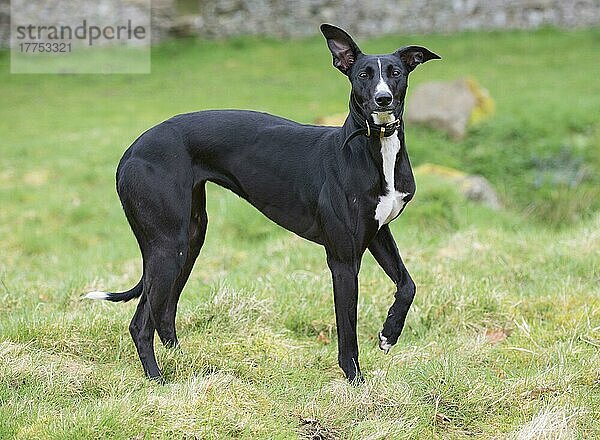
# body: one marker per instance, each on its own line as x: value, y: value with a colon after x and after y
x: 279, y: 18
x: 375, y: 17
x: 4, y: 23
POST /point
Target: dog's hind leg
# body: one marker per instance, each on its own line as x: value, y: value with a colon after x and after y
x: 142, y: 332
x: 161, y: 270
x: 158, y: 205
x: 196, y: 235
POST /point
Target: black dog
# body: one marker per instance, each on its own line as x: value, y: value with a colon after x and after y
x: 338, y: 187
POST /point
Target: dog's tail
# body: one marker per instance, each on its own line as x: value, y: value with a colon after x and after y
x: 134, y: 292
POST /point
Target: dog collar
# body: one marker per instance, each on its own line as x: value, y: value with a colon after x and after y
x: 379, y: 130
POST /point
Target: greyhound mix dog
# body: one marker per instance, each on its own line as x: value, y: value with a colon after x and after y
x: 335, y: 186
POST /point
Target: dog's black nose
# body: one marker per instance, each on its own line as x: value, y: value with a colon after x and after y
x: 383, y: 100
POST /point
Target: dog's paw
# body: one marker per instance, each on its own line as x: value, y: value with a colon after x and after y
x: 384, y: 344
x: 357, y: 380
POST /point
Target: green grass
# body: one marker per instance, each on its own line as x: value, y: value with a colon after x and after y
x: 503, y: 338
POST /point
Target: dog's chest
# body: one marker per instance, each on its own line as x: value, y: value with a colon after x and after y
x: 392, y: 201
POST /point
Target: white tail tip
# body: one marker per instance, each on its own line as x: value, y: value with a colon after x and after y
x: 96, y: 295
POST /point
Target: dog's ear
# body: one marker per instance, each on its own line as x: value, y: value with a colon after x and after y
x: 412, y: 56
x: 342, y: 47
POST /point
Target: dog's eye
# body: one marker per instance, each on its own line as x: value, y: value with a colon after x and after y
x: 396, y: 73
x: 363, y: 75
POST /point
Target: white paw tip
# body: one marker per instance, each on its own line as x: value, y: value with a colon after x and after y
x: 96, y: 295
x: 384, y: 344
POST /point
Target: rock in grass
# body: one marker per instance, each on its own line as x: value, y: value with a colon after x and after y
x: 479, y: 189
x: 449, y: 106
x: 473, y: 187
x: 336, y: 120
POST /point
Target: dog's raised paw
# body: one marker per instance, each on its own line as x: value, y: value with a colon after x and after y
x: 384, y: 344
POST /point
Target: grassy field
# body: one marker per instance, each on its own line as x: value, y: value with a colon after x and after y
x: 503, y: 340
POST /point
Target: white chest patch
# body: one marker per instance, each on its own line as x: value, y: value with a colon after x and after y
x: 392, y: 201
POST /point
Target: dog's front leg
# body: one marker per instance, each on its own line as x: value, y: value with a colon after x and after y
x: 383, y: 247
x: 345, y: 292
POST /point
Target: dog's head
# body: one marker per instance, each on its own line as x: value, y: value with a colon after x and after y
x: 379, y: 82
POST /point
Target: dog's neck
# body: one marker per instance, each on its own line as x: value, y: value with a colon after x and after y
x: 373, y: 128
